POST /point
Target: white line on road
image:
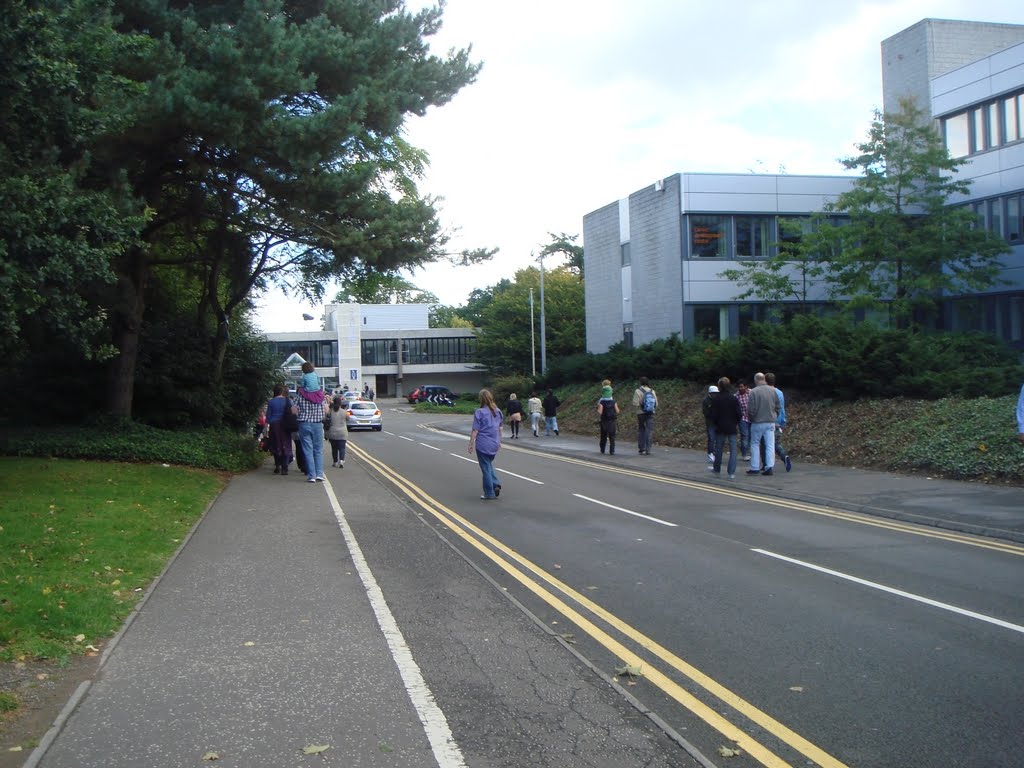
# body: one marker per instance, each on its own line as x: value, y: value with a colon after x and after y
x: 464, y: 458
x: 407, y: 438
x: 521, y: 477
x: 627, y: 511
x: 435, y: 724
x: 898, y: 592
x: 431, y: 447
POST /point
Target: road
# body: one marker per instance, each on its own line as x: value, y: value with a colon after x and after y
x: 795, y: 633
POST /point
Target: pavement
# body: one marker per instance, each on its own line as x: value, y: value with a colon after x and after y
x: 263, y: 636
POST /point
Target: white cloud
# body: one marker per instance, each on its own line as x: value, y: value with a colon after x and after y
x: 579, y: 104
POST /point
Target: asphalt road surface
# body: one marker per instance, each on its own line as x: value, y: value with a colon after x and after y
x: 794, y: 633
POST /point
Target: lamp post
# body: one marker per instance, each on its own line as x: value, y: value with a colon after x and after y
x: 533, y: 353
x: 543, y: 343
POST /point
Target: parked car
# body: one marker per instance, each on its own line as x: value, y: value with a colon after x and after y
x: 362, y: 414
x: 432, y: 393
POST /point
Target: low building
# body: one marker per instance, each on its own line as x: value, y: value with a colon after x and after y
x: 389, y: 347
x: 653, y: 261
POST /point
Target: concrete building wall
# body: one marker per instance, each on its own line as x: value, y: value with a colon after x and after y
x: 656, y: 276
x: 933, y: 47
x: 602, y: 264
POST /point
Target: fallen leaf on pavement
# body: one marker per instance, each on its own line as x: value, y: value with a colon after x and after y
x: 315, y: 749
x: 210, y: 756
x: 728, y: 752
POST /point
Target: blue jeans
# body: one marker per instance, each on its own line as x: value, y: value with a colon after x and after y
x: 644, y: 431
x: 311, y: 433
x: 719, y: 445
x: 762, y: 431
x: 550, y: 424
x: 745, y: 438
x: 486, y: 462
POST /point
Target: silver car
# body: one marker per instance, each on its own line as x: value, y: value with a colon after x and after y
x: 362, y: 414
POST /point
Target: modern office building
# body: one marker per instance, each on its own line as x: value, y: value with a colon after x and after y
x: 390, y: 347
x: 653, y: 261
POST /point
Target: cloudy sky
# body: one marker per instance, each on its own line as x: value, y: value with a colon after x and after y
x: 581, y: 102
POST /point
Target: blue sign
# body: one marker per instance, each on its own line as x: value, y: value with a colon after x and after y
x: 353, y: 374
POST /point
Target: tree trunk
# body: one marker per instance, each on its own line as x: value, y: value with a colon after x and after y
x: 126, y: 321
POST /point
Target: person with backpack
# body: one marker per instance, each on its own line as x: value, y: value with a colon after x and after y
x: 645, y: 401
x: 551, y: 403
x: 608, y: 413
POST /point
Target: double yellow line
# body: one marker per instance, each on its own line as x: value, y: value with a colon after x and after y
x: 534, y: 579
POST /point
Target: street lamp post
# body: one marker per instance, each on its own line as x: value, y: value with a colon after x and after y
x: 533, y: 352
x: 543, y: 342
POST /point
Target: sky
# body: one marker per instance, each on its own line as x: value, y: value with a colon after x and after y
x: 582, y: 102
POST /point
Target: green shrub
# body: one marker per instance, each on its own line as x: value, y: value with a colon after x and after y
x: 213, y: 448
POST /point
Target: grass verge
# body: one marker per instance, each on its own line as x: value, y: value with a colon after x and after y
x: 81, y: 541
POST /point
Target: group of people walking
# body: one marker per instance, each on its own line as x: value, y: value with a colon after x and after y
x: 756, y: 416
x: 297, y: 428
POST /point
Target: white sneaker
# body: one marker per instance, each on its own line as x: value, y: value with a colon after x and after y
x: 341, y: 465
x: 321, y: 479
x: 334, y: 464
x: 711, y: 458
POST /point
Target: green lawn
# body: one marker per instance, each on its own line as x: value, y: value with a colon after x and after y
x: 81, y: 541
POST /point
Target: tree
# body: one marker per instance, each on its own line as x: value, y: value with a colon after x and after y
x: 566, y: 245
x: 905, y: 245
x: 266, y: 140
x: 893, y: 239
x: 504, y: 342
x: 367, y: 286
x: 57, y: 235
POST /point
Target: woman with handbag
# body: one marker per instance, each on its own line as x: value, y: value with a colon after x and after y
x: 336, y: 424
x: 280, y: 417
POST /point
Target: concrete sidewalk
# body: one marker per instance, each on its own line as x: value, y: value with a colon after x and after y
x: 996, y: 511
x: 256, y: 642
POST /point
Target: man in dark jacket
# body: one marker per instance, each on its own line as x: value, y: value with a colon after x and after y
x: 551, y: 404
x: 725, y: 420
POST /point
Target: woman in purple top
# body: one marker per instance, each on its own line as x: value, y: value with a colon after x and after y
x: 486, y: 440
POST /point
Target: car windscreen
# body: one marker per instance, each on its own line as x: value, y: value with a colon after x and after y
x: 357, y: 406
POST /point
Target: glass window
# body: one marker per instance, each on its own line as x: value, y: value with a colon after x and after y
x: 979, y: 215
x: 626, y: 257
x: 1011, y: 126
x: 957, y: 135
x: 977, y: 129
x: 627, y: 335
x: 992, y: 124
x: 995, y: 216
x: 1013, y: 219
x: 709, y: 237
x: 753, y: 236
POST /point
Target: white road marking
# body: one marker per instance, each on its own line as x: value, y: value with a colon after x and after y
x: 521, y: 477
x: 407, y: 438
x: 464, y: 458
x: 435, y: 724
x: 431, y: 447
x: 897, y: 592
x: 627, y: 511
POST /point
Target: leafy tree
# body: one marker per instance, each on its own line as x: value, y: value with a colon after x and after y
x: 504, y: 343
x: 566, y: 245
x: 444, y: 316
x: 367, y: 286
x: 57, y: 235
x: 900, y: 243
x: 267, y: 143
x: 479, y: 300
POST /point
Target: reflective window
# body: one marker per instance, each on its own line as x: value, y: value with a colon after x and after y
x: 709, y: 236
x: 1011, y: 126
x: 1013, y: 219
x: 992, y: 125
x: 977, y: 129
x: 995, y: 216
x: 753, y: 236
x: 626, y: 257
x: 956, y: 135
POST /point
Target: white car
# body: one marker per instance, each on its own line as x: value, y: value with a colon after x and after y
x: 362, y: 414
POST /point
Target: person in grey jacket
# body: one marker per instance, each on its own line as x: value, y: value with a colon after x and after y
x: 336, y: 422
x: 763, y: 410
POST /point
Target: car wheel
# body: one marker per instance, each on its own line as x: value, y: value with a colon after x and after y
x: 348, y: 429
x: 378, y: 429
